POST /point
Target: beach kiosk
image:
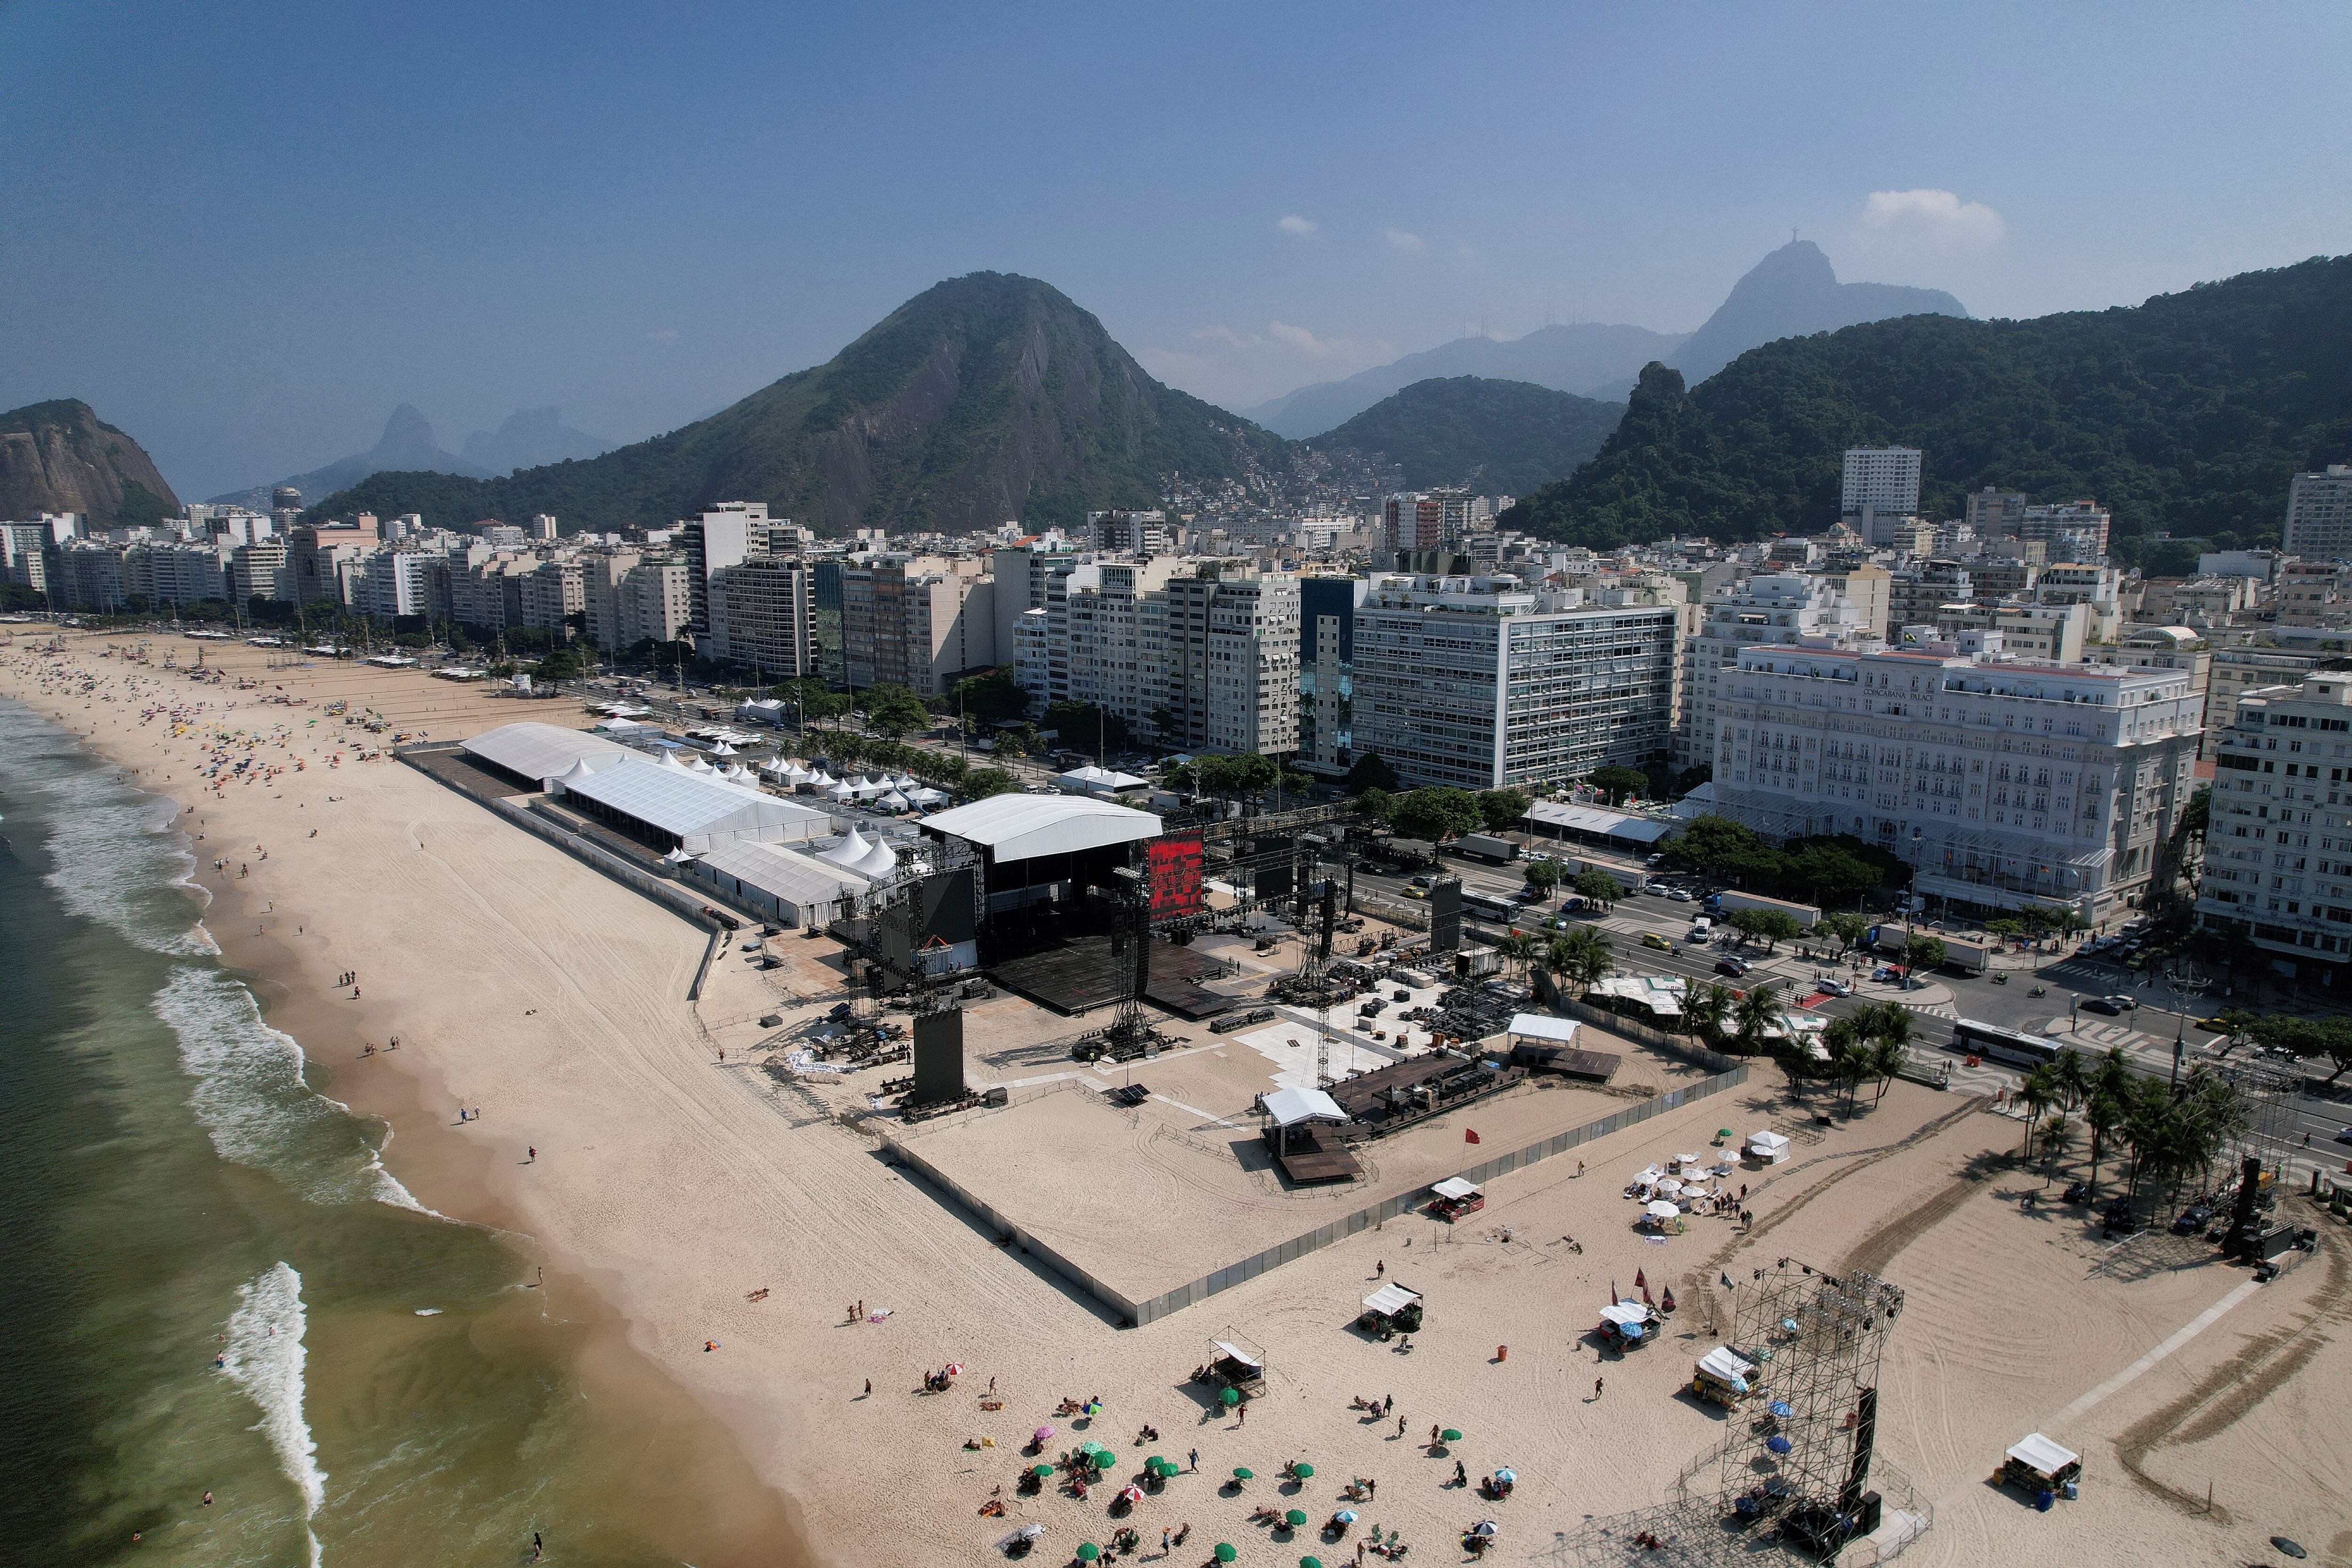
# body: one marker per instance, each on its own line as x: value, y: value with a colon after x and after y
x: 1724, y: 1376
x: 1456, y: 1197
x: 1768, y: 1148
x: 2041, y: 1469
x: 1235, y: 1363
x: 1626, y: 1325
x: 1391, y: 1310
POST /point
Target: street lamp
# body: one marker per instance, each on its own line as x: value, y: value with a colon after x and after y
x: 2184, y: 987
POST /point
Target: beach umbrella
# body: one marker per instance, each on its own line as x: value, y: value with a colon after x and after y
x: 1302, y: 1470
x: 1632, y: 1330
x: 1226, y: 1552
x: 1512, y: 1475
x: 1243, y: 1473
x: 1661, y: 1210
x: 1778, y: 1444
x: 1781, y: 1407
x: 1041, y: 1471
x: 1104, y: 1458
x: 1485, y: 1527
x: 1345, y: 1516
x: 1451, y: 1434
x: 1088, y: 1552
x: 1043, y: 1433
x: 955, y: 1369
x: 1294, y: 1517
x: 1310, y: 1562
x: 1229, y: 1397
x: 1723, y: 1133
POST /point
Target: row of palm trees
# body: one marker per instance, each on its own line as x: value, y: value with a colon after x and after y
x: 2173, y: 1131
x: 1580, y: 955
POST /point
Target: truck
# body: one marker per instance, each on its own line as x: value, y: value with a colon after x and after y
x: 1959, y: 954
x: 1486, y: 847
x: 1728, y: 900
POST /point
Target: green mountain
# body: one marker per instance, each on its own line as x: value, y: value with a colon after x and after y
x: 59, y: 455
x: 2184, y: 415
x: 1503, y: 438
x: 986, y: 397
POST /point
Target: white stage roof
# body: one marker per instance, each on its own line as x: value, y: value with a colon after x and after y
x: 790, y: 875
x: 1614, y: 825
x: 697, y: 807
x: 1289, y: 1107
x: 1024, y: 826
x: 1543, y: 1027
x: 544, y: 750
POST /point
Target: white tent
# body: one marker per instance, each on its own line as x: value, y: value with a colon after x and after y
x: 668, y: 758
x: 877, y: 862
x: 1289, y: 1107
x: 907, y: 782
x: 1390, y: 1299
x: 849, y: 851
x: 1455, y: 1188
x: 676, y: 857
x: 1725, y: 1366
x: 894, y: 801
x: 841, y: 791
x: 2038, y: 1454
x: 722, y: 749
x: 1541, y: 1026
x: 1769, y: 1147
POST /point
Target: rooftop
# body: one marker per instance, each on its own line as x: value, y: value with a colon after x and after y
x: 1024, y: 826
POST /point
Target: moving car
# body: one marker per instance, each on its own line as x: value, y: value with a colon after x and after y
x: 1735, y: 967
x: 1651, y: 939
x: 1831, y: 985
x: 2344, y: 1135
x: 2113, y: 1007
x: 1680, y: 894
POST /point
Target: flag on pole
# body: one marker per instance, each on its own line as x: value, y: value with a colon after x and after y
x: 1470, y: 1135
x: 1728, y: 1284
x: 1640, y: 1281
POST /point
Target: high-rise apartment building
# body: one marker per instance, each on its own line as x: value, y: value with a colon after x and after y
x: 1221, y: 660
x: 2278, y: 837
x: 1996, y: 515
x: 655, y: 602
x: 258, y: 571
x: 543, y: 528
x: 2074, y: 530
x: 1786, y: 608
x: 1133, y: 532
x: 1327, y: 659
x: 719, y: 538
x: 2000, y: 783
x: 2319, y: 514
x: 762, y: 613
x: 600, y: 575
x: 1482, y: 683
x: 1881, y: 479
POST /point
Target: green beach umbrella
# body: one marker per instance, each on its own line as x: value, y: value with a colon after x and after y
x: 1294, y: 1517
x: 1450, y: 1435
x: 1310, y: 1562
x: 1243, y: 1473
x: 1088, y: 1552
x: 1042, y: 1471
x: 1229, y: 1397
x: 1302, y: 1470
x: 1226, y: 1552
x: 1104, y: 1458
x: 1723, y: 1133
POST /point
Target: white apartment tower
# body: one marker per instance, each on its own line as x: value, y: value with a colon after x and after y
x: 1881, y: 479
x: 1785, y: 608
x: 2278, y: 842
x: 2319, y: 514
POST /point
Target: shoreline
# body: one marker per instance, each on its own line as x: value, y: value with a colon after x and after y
x: 728, y: 1510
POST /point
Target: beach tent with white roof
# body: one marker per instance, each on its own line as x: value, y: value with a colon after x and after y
x: 542, y: 754
x: 894, y: 801
x: 1772, y: 1148
x: 877, y: 862
x: 849, y: 851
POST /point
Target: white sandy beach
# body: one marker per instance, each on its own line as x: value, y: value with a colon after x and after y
x: 519, y: 981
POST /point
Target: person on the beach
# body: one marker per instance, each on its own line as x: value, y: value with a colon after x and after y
x: 1399, y: 1425
x: 538, y: 1547
x: 534, y: 1152
x: 1596, y: 1388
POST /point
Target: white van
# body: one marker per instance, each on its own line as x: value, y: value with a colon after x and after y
x: 1701, y: 928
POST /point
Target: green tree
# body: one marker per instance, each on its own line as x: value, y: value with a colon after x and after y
x: 989, y: 699
x: 986, y: 781
x: 1615, y: 782
x: 1243, y: 775
x: 1376, y: 805
x: 1925, y: 953
x: 1544, y: 875
x: 1707, y: 1011
x: 1084, y: 726
x: 2102, y: 1113
x: 1518, y: 950
x: 1844, y: 928
x: 1372, y: 772
x: 1501, y: 809
x: 1437, y: 814
x: 2040, y: 1091
x: 1770, y: 927
x: 1598, y: 886
x: 1754, y: 1018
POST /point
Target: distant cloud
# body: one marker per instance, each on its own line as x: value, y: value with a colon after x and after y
x: 1936, y: 219
x: 1294, y: 224
x: 666, y: 335
x: 1239, y: 369
x: 1403, y: 240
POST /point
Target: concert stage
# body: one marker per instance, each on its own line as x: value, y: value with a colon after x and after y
x: 1078, y: 975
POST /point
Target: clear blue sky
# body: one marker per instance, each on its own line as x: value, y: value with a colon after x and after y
x: 245, y: 231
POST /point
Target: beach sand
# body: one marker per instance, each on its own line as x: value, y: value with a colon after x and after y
x: 521, y: 981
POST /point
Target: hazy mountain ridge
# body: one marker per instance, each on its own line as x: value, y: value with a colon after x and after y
x: 2187, y: 415
x: 1500, y: 437
x: 985, y: 397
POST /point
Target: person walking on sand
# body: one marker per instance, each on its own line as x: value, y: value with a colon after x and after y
x: 1399, y: 1425
x: 534, y: 1153
x: 1596, y: 1388
x: 1193, y: 1456
x: 1167, y: 1541
x: 869, y: 1388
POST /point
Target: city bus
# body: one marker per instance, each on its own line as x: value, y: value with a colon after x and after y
x: 2017, y: 1050
x: 1490, y: 907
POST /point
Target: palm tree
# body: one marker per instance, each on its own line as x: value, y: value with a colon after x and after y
x: 1755, y: 1016
x: 2074, y: 1077
x: 1706, y: 1008
x: 1853, y: 1056
x: 2103, y: 1113
x: 1888, y: 1059
x: 2040, y: 1091
x: 1582, y: 956
x: 1519, y: 949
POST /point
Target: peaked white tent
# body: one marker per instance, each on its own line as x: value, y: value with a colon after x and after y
x: 877, y: 862
x: 849, y: 851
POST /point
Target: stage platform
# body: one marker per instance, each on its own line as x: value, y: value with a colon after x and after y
x: 1318, y: 1155
x: 1078, y: 976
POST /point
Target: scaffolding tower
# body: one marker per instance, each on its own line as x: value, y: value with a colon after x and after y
x: 1801, y: 1465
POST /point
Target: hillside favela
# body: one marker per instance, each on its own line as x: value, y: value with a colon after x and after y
x: 797, y: 787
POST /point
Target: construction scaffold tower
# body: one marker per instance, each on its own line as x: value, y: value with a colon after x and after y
x: 1798, y: 1460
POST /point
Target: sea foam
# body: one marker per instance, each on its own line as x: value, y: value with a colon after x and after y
x: 251, y: 1099
x: 264, y: 1358
x: 110, y: 851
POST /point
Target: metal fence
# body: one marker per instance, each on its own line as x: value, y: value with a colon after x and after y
x: 1138, y: 1312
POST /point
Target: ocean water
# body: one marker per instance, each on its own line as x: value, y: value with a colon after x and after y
x: 211, y: 1283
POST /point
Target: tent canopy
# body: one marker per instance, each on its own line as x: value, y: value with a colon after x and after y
x: 1624, y: 1313
x: 1455, y: 1188
x: 2038, y: 1453
x: 1723, y: 1362
x: 1770, y: 1142
x: 1543, y: 1027
x: 1289, y: 1107
x: 1228, y: 1350
x: 1390, y: 1299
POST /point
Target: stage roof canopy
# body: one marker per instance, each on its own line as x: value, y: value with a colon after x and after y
x: 1026, y: 826
x: 698, y: 808
x: 1620, y: 826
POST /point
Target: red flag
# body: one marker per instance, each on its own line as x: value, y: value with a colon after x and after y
x: 1469, y: 1135
x: 1641, y: 1282
x: 1613, y: 1296
x: 1645, y: 1297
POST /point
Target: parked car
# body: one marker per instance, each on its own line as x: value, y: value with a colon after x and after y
x: 1652, y: 939
x: 1888, y: 973
x: 1680, y: 894
x: 1735, y: 967
x: 2106, y: 1005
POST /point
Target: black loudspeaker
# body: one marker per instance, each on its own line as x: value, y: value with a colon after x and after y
x: 1446, y: 914
x: 1865, y: 1436
x: 939, y: 1057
